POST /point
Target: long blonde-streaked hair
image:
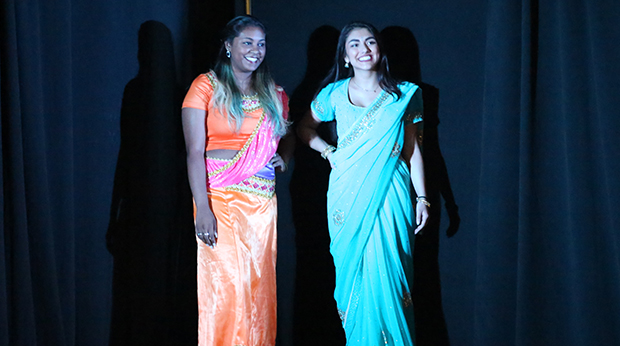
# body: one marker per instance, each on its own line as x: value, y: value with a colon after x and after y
x: 227, y: 97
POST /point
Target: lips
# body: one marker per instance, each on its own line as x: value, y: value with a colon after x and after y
x: 365, y: 58
x: 252, y: 59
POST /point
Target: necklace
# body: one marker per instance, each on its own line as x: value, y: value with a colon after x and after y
x: 366, y: 90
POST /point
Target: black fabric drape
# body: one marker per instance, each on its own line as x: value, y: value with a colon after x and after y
x: 547, y: 266
x: 38, y: 175
x: 63, y: 68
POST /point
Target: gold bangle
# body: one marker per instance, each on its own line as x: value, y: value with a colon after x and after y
x: 422, y: 199
x: 328, y: 149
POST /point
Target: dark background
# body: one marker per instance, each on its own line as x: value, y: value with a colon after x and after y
x: 522, y: 148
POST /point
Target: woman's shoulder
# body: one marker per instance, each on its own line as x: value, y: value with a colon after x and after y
x: 206, y: 80
x: 335, y: 86
x: 406, y: 87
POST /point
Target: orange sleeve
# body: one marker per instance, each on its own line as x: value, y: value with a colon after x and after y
x: 284, y: 99
x: 199, y: 93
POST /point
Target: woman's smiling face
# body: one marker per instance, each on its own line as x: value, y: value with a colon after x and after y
x: 362, y: 50
x: 247, y: 50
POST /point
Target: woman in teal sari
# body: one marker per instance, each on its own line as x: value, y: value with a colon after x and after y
x: 372, y: 219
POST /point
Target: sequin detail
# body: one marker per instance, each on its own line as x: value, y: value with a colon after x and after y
x: 250, y: 103
x: 407, y: 301
x: 365, y: 124
x: 395, y: 150
x: 341, y: 315
x: 338, y: 217
x: 256, y: 186
x: 243, y: 150
x: 318, y: 107
x: 413, y: 118
x: 211, y: 77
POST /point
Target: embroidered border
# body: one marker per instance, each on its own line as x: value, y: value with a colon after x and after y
x: 211, y: 76
x: 250, y: 103
x: 395, y: 150
x: 365, y: 124
x: 243, y: 150
x: 341, y: 315
x: 256, y: 186
x: 318, y: 106
x: 412, y: 118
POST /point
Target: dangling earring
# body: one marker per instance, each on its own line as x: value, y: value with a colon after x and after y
x: 228, y: 54
x: 346, y: 64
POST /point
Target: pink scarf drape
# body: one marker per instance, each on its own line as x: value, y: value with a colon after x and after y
x: 255, y: 154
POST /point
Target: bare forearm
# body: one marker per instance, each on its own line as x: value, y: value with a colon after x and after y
x: 286, y: 147
x: 417, y: 172
x: 306, y: 130
x: 197, y: 174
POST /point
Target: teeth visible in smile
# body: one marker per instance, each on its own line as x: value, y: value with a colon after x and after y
x: 364, y: 58
x: 251, y: 59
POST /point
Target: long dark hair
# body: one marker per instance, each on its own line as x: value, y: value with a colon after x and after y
x: 228, y: 97
x: 339, y: 72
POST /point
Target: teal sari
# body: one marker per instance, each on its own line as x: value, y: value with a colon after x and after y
x: 371, y: 215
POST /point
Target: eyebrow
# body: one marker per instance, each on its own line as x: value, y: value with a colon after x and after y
x: 366, y: 39
x: 251, y: 39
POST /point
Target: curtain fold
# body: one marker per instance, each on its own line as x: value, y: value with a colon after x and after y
x: 38, y: 173
x: 548, y: 237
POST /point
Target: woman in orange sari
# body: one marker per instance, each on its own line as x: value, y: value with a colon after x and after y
x: 233, y: 119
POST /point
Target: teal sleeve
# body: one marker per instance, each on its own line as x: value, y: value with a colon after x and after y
x: 322, y: 105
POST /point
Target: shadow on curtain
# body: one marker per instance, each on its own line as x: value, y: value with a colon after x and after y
x: 430, y: 325
x: 315, y: 314
x: 150, y: 233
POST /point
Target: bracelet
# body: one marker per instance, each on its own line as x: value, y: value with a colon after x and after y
x: 328, y: 150
x: 422, y: 199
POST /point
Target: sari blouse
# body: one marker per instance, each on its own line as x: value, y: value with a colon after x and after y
x: 219, y: 133
x: 333, y: 103
x: 255, y: 142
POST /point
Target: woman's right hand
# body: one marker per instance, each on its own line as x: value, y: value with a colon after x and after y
x: 206, y: 226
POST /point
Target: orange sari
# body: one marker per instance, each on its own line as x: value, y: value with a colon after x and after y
x: 237, y: 278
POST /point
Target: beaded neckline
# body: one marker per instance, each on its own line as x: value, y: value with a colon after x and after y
x: 250, y: 103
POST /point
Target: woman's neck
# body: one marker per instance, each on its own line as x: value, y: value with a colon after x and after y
x: 244, y: 82
x: 367, y: 80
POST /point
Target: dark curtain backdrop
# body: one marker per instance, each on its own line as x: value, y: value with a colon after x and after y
x: 523, y: 150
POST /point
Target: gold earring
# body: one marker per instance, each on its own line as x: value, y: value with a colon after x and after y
x: 228, y: 54
x: 346, y: 64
